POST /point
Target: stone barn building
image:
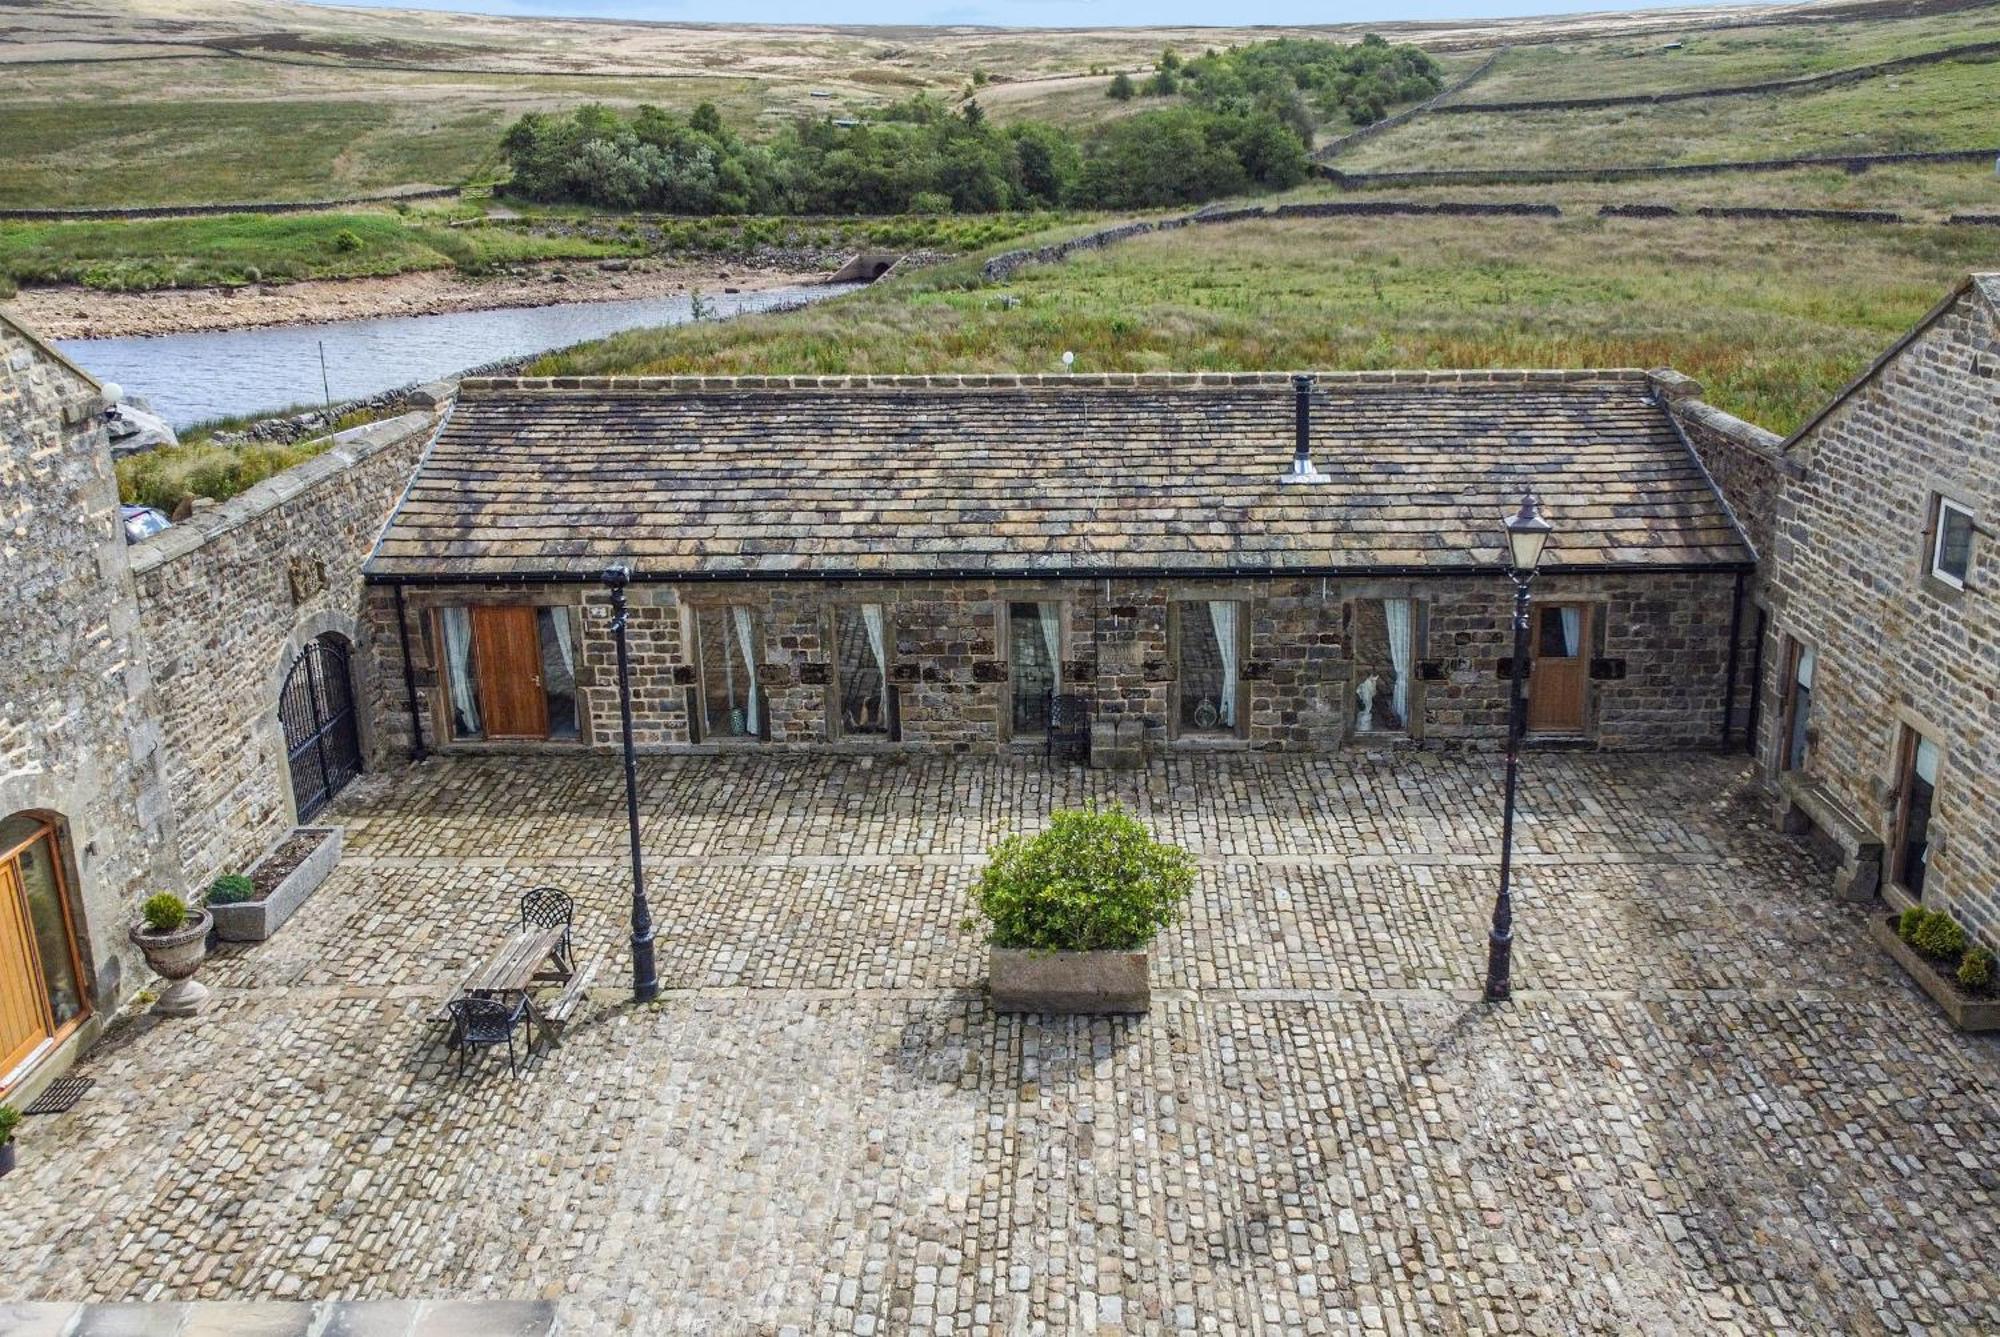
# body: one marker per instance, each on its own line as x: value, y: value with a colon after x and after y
x: 1209, y: 561
x: 1880, y: 716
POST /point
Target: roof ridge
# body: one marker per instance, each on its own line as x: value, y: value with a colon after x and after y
x: 1146, y: 380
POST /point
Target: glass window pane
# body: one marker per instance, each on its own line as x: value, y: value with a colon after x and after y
x: 459, y: 675
x: 1954, y: 546
x: 1917, y: 818
x: 1383, y: 647
x: 1033, y: 643
x: 558, y: 670
x: 42, y: 884
x: 862, y: 645
x: 729, y: 641
x: 1207, y: 668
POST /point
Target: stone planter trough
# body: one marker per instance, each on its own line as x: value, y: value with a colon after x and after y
x: 254, y: 921
x: 1068, y: 982
x: 175, y: 957
x: 1968, y: 1012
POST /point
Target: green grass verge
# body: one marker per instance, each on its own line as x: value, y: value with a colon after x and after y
x: 1717, y: 300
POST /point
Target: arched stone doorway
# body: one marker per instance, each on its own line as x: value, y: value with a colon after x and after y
x: 42, y: 995
x: 321, y: 725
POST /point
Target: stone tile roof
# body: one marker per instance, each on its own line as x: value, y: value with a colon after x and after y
x: 711, y: 477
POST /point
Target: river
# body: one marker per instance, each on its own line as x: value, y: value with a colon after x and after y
x: 190, y: 378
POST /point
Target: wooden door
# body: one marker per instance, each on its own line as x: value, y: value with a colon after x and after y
x: 1559, y: 641
x: 508, y: 649
x: 24, y: 1017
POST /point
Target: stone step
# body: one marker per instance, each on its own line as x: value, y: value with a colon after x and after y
x: 283, y: 1318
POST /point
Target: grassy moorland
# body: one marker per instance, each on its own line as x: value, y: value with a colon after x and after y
x: 1721, y: 303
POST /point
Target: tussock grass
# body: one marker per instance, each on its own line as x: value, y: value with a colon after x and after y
x: 1723, y: 304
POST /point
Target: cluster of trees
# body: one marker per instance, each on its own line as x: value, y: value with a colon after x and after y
x: 1291, y: 78
x: 915, y: 157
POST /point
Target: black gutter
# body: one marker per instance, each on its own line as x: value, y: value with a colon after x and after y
x: 1756, y: 684
x: 1735, y: 653
x: 1404, y: 570
x: 409, y: 681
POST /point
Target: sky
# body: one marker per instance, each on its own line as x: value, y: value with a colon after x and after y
x: 1029, y: 13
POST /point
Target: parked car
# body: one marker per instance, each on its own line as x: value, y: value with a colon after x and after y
x: 142, y: 522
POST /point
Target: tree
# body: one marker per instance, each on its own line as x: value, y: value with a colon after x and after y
x: 1121, y: 87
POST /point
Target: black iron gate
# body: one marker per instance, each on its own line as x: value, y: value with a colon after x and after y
x: 322, y: 742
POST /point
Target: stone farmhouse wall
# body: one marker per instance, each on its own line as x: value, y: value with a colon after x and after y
x: 79, y: 737
x: 228, y: 599
x: 1897, y: 648
x: 1660, y: 653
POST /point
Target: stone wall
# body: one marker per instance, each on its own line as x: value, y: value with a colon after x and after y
x: 1660, y: 652
x: 228, y: 599
x: 77, y: 707
x: 1898, y: 649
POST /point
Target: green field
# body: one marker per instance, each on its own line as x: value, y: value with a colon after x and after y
x: 1720, y: 301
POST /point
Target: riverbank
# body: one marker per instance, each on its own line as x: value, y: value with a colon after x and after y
x: 68, y: 311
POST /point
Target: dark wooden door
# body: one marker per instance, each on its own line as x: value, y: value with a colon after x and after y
x: 509, y: 653
x: 1559, y: 640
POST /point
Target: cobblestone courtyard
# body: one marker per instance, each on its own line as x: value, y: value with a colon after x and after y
x: 1713, y: 1105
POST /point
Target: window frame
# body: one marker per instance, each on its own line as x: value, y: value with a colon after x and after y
x: 1796, y: 650
x: 442, y: 717
x: 1940, y: 509
x: 892, y: 691
x: 694, y: 648
x: 1912, y: 739
x: 1176, y: 612
x: 1005, y: 640
x: 1419, y: 633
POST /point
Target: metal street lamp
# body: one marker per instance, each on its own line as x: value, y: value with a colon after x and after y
x: 645, y: 977
x: 1527, y: 535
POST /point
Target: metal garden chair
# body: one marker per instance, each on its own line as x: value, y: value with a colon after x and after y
x: 1068, y: 726
x: 546, y: 907
x: 485, y: 1022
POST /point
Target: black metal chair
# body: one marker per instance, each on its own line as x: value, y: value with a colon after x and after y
x: 484, y: 1022
x: 546, y: 907
x: 1068, y: 726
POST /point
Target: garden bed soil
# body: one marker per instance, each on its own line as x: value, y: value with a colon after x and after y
x: 1967, y: 1011
x: 281, y: 880
x: 276, y: 866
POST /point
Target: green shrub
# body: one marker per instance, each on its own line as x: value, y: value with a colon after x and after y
x: 164, y: 912
x: 347, y: 240
x: 1939, y: 937
x: 1976, y: 970
x: 10, y: 1119
x: 231, y: 889
x: 1909, y: 922
x: 1096, y: 880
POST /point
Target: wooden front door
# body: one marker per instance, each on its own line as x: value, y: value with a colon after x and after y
x: 508, y: 649
x: 24, y: 1020
x: 1559, y: 641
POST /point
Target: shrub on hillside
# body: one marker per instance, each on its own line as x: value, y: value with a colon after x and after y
x: 1095, y: 880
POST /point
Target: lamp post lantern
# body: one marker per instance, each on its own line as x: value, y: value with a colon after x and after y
x: 1527, y: 535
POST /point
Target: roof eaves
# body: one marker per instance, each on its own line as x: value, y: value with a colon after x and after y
x: 475, y: 386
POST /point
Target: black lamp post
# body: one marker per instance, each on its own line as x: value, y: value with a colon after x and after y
x: 1527, y: 535
x: 645, y: 977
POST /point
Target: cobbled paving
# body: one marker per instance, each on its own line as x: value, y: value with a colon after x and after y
x: 1712, y: 1106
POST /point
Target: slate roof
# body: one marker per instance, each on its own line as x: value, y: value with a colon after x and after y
x: 715, y: 477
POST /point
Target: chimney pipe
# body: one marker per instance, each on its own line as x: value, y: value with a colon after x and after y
x: 1302, y: 463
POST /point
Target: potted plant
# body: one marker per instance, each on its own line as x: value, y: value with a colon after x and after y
x: 1959, y: 976
x: 174, y: 937
x: 10, y: 1119
x: 1072, y: 910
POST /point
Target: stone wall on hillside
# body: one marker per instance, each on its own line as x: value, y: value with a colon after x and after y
x: 78, y: 741
x: 1900, y: 652
x: 229, y: 599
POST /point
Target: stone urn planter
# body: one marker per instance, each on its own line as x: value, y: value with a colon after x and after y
x: 282, y: 878
x: 175, y: 955
x: 1073, y: 909
x: 1964, y: 1009
x: 10, y: 1119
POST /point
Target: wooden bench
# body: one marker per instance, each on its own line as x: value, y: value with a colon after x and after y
x: 1806, y: 805
x: 555, y: 1018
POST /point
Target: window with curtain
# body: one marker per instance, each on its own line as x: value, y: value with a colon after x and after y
x: 728, y: 646
x: 460, y: 673
x: 1384, y: 638
x: 1034, y: 662
x: 558, y: 670
x: 863, y: 642
x: 1919, y: 792
x: 1798, y: 709
x: 1207, y: 668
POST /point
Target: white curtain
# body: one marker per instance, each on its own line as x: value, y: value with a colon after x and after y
x: 559, y: 620
x: 1222, y: 615
x: 745, y: 641
x: 1051, y: 615
x: 1397, y: 613
x: 871, y: 618
x: 1807, y: 661
x: 458, y: 669
x: 1572, y: 631
x: 1927, y: 762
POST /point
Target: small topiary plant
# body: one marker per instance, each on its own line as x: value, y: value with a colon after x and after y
x: 1939, y: 937
x: 10, y: 1119
x: 347, y: 240
x: 1909, y: 922
x: 1975, y: 971
x: 1096, y: 880
x: 164, y: 912
x: 231, y: 889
